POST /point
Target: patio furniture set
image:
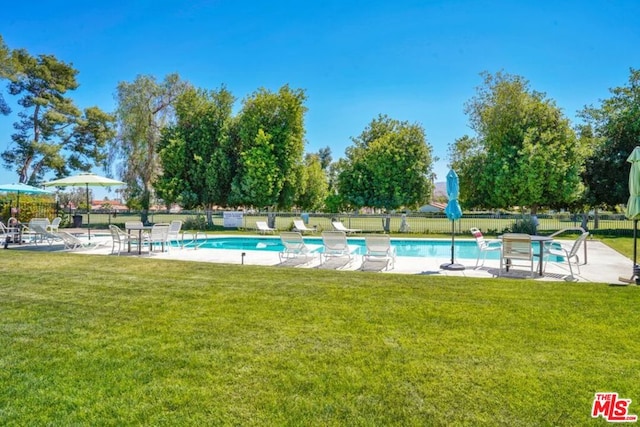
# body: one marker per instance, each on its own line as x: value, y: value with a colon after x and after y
x: 518, y: 248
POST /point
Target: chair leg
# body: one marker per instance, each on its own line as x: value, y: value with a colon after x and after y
x: 532, y: 273
x: 571, y: 276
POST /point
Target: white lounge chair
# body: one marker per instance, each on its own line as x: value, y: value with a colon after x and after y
x: 484, y: 246
x: 336, y: 245
x: 263, y: 228
x: 71, y: 242
x: 299, y: 225
x: 516, y: 247
x: 379, y: 249
x: 294, y: 246
x: 339, y: 226
x: 39, y: 232
x: 35, y: 229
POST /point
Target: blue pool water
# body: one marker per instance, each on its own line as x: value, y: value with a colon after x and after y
x: 404, y: 247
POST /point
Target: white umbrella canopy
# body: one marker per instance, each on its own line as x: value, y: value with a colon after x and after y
x: 22, y: 188
x: 85, y: 180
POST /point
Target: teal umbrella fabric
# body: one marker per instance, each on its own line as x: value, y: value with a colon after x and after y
x: 24, y: 189
x: 633, y: 205
x: 453, y: 210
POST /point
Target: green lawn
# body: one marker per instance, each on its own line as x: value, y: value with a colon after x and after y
x: 92, y: 340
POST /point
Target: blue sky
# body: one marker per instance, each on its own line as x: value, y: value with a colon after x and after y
x: 417, y: 61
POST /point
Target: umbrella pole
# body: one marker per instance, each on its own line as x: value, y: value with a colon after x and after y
x: 635, y: 249
x: 452, y: 265
x: 453, y: 239
x: 88, y: 213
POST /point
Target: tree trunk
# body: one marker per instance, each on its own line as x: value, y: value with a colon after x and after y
x: 271, y: 217
x: 209, y: 214
x: 386, y: 224
x: 144, y: 214
x: 585, y: 221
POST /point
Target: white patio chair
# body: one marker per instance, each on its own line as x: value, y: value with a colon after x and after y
x: 120, y: 239
x: 175, y: 227
x: 567, y: 253
x: 55, y: 225
x: 158, y: 235
x: 516, y: 247
x: 484, y: 246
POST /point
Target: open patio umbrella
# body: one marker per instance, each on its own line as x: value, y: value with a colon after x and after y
x: 453, y: 212
x: 633, y: 205
x: 22, y: 188
x: 84, y: 180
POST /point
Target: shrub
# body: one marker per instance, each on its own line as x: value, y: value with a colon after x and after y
x: 526, y: 225
x: 195, y: 223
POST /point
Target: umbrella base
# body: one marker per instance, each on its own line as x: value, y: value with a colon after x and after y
x: 452, y: 267
x: 633, y: 280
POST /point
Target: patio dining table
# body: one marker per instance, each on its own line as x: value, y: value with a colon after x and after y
x: 140, y: 229
x: 541, y: 241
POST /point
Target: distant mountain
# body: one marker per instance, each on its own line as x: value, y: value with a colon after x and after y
x: 440, y: 190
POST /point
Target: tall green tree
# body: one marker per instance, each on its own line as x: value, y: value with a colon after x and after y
x: 269, y: 140
x: 52, y: 133
x: 145, y: 108
x: 313, y: 188
x: 389, y: 166
x: 524, y: 152
x: 8, y: 70
x: 324, y: 154
x: 197, y: 162
x: 467, y: 156
x: 614, y: 129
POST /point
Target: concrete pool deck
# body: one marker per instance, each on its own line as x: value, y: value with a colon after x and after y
x: 605, y: 265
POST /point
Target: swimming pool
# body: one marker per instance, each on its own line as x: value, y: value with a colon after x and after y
x: 404, y: 247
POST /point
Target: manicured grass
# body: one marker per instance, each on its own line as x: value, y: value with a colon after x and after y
x: 624, y: 245
x: 92, y: 340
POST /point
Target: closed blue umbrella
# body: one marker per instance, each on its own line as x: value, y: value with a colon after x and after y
x: 453, y: 212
